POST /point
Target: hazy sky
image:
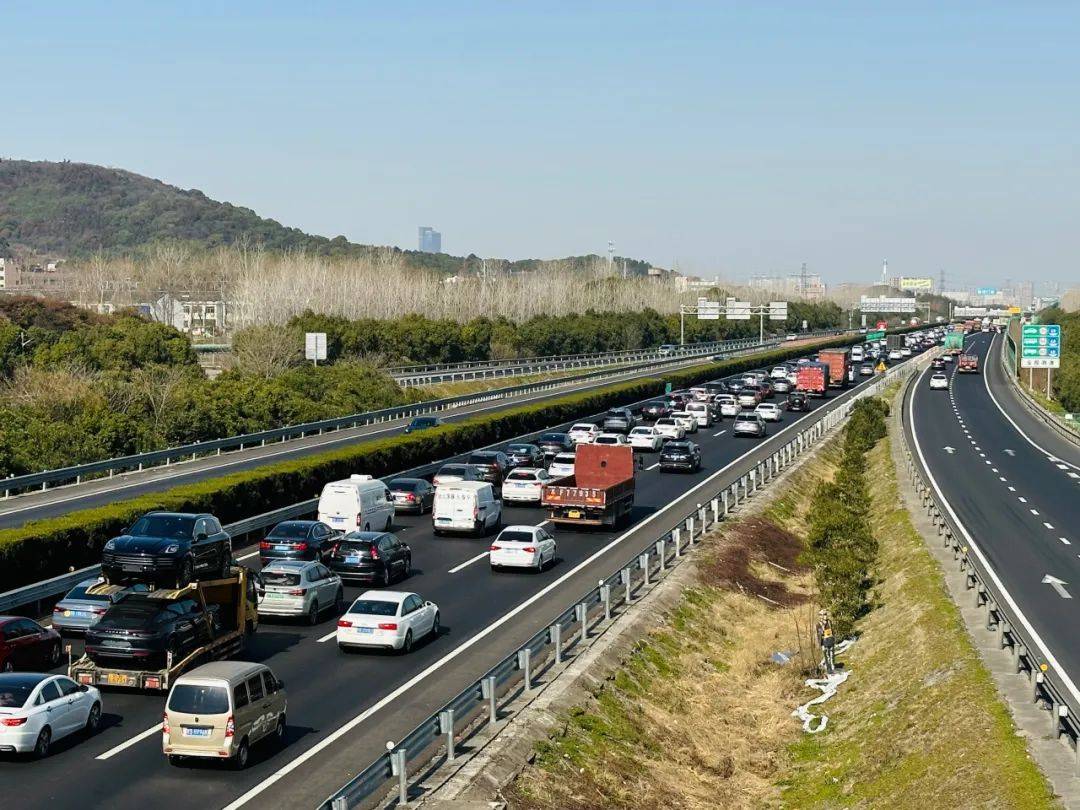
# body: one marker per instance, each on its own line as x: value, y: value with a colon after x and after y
x: 721, y: 137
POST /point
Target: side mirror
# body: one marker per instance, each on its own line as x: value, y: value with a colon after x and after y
x: 281, y: 684
x: 200, y: 537
x: 83, y: 687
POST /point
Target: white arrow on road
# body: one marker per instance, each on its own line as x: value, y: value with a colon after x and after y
x: 1011, y: 452
x: 1058, y: 585
x: 949, y: 450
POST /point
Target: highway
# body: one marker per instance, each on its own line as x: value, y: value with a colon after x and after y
x: 342, y: 708
x: 21, y: 509
x: 1014, y: 487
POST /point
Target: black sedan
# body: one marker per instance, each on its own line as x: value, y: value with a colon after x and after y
x: 492, y: 465
x: 554, y: 443
x: 140, y: 632
x: 937, y: 364
x: 168, y: 547
x: 651, y: 411
x: 298, y: 540
x: 423, y: 423
x: 412, y: 495
x: 680, y: 455
x: 378, y: 557
x: 524, y: 455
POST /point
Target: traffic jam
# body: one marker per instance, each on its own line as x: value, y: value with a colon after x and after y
x: 177, y: 611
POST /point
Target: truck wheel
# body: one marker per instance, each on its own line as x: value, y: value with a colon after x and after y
x: 313, y: 614
x: 226, y: 560
x: 240, y: 758
x: 186, y: 574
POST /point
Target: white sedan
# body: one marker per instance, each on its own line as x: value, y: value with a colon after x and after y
x: 729, y: 406
x: 646, y: 438
x: 524, y: 485
x: 530, y: 547
x: 36, y: 709
x: 687, y: 420
x: 611, y: 438
x: 669, y: 428
x: 584, y: 432
x: 562, y: 465
x: 895, y: 355
x: 768, y: 412
x: 392, y: 620
x: 939, y: 381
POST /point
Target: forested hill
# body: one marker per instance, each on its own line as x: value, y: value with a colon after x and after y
x: 75, y: 209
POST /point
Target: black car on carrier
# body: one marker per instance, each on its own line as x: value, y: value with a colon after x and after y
x: 168, y: 547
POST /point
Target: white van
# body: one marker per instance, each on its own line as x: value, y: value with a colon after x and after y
x: 700, y: 411
x: 360, y: 503
x: 856, y: 353
x: 466, y: 506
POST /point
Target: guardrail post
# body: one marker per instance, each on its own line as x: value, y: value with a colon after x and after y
x: 581, y: 615
x: 339, y: 803
x: 724, y: 498
x: 1035, y: 687
x: 1002, y: 629
x: 701, y: 516
x: 753, y: 481
x: 398, y: 767
x: 446, y: 726
x: 487, y: 692
x: 525, y: 663
x: 1019, y: 654
x: 643, y: 564
x: 605, y: 597
x: 676, y: 538
x: 555, y: 636
x: 625, y: 576
x: 690, y: 528
x: 735, y: 494
x: 1055, y: 718
x: 716, y: 510
x: 661, y: 552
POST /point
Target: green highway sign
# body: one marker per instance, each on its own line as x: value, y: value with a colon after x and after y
x: 1040, y: 345
x: 874, y: 336
x: 667, y: 388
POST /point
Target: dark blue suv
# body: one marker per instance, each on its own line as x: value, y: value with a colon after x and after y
x: 168, y: 547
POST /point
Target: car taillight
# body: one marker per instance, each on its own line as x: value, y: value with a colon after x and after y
x: 530, y: 549
x: 57, y: 609
x: 301, y: 546
x: 296, y: 592
x: 165, y: 723
x: 410, y: 497
x: 14, y: 721
x: 230, y: 727
x: 494, y: 548
x: 388, y: 626
x: 475, y: 512
x: 99, y: 611
x: 263, y: 545
x: 357, y: 519
x: 344, y: 623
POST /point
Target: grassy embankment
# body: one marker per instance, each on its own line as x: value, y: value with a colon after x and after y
x: 698, y: 716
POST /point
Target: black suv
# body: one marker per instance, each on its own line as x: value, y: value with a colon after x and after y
x: 168, y: 547
x: 798, y: 401
x: 654, y: 410
x: 680, y: 455
x: 524, y: 455
x: 145, y: 630
x: 491, y: 464
x: 298, y: 540
x: 372, y: 557
x: 554, y: 443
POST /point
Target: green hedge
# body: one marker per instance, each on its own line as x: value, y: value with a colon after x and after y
x: 46, y: 548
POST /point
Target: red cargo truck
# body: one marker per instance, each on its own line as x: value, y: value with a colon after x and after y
x: 969, y: 364
x: 599, y: 493
x: 812, y: 379
x: 838, y: 361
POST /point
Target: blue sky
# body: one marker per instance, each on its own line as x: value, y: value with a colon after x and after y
x: 721, y: 137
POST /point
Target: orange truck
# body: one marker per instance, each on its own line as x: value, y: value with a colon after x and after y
x: 839, y: 362
x: 968, y: 364
x: 812, y: 379
x: 599, y: 493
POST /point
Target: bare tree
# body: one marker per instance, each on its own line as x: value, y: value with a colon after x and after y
x: 266, y: 351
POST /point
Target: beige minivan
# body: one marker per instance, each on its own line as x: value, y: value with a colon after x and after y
x: 220, y: 710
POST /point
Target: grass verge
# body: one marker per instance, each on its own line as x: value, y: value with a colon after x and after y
x: 698, y: 716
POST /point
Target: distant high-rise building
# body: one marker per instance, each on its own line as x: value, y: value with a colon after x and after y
x: 430, y: 240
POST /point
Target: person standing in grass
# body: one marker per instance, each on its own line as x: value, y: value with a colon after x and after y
x: 827, y: 640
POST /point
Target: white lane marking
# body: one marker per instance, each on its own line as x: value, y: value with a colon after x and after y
x: 248, y: 556
x: 1051, y: 659
x: 721, y: 433
x: 1073, y: 475
x: 1001, y: 477
x: 1065, y: 540
x: 128, y: 743
x: 1035, y: 512
x: 1028, y: 439
x: 1022, y: 500
x: 654, y: 466
x: 468, y: 562
x: 995, y: 469
x: 1047, y: 525
x: 1012, y: 489
x: 328, y: 636
x: 1063, y: 466
x: 330, y: 739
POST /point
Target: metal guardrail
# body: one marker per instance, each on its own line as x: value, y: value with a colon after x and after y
x: 75, y: 474
x: 481, y: 701
x: 1052, y: 421
x: 1028, y: 659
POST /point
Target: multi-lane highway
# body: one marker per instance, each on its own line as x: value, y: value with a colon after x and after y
x: 342, y: 708
x: 1013, y: 485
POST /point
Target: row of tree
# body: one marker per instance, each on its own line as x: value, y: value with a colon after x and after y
x: 1066, y: 380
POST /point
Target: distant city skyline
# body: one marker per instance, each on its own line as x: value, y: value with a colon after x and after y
x: 430, y: 240
x: 740, y: 139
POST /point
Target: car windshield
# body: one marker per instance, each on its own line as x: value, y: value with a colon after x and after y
x: 564, y: 458
x: 79, y: 592
x: 665, y: 421
x: 354, y: 545
x: 746, y: 417
x: 552, y: 437
x: 516, y: 537
x: 192, y: 698
x: 163, y: 526
x: 16, y: 688
x: 641, y: 431
x: 129, y: 613
x: 606, y: 440
x: 522, y: 475
x: 374, y: 607
x: 483, y: 458
x: 454, y: 469
x: 616, y: 414
x: 655, y: 405
x: 524, y: 449
x: 405, y: 485
x: 423, y: 422
x: 586, y: 428
x: 280, y: 577
x: 676, y: 447
x: 290, y: 530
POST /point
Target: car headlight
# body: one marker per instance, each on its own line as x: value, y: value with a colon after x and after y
x: 110, y: 545
x: 172, y: 549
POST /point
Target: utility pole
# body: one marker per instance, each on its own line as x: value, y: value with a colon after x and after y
x: 884, y: 272
x: 610, y: 254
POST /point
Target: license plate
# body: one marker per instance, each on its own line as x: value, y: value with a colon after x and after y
x: 272, y: 595
x: 364, y: 630
x: 78, y: 614
x: 113, y: 643
x: 337, y: 520
x: 521, y: 486
x: 352, y: 560
x: 196, y: 732
x: 119, y: 679
x: 443, y: 520
x: 135, y: 568
x: 574, y: 513
x: 281, y: 548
